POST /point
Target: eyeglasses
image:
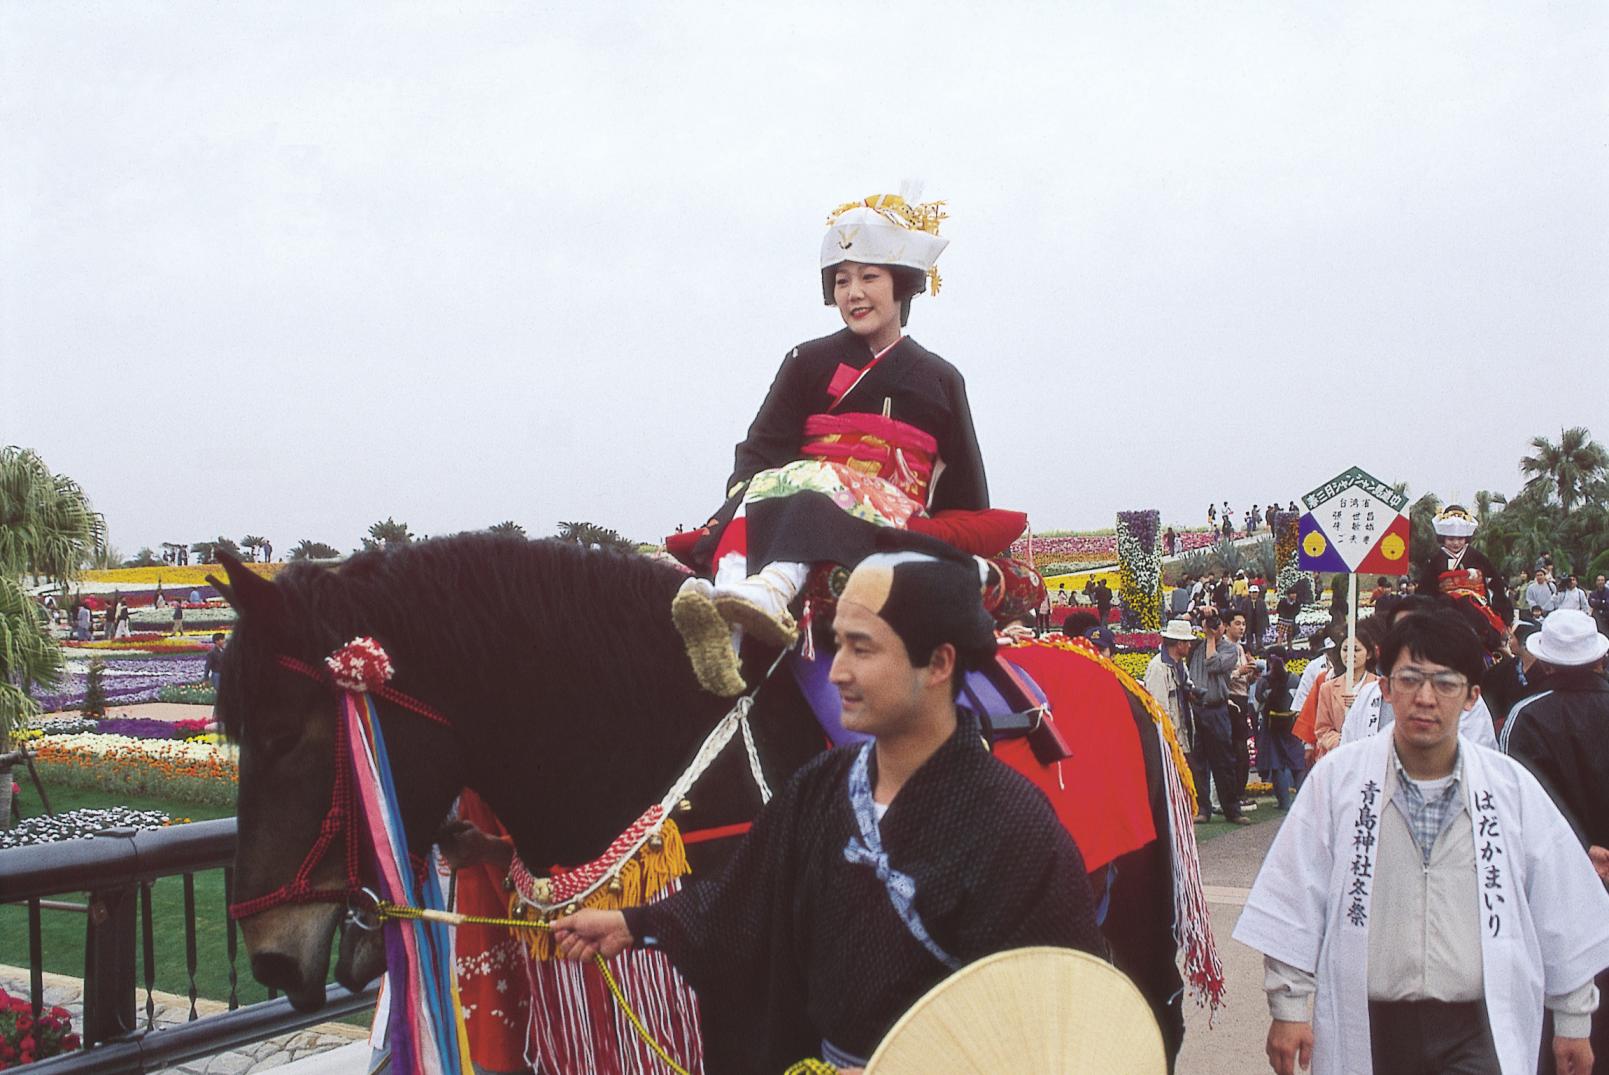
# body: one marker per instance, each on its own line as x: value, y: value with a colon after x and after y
x: 1446, y: 684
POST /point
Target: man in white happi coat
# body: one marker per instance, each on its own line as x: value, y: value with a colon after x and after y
x: 1370, y: 711
x: 1425, y: 896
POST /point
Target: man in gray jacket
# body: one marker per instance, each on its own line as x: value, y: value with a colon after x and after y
x: 1211, y: 662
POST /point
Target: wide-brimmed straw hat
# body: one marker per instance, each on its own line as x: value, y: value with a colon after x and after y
x: 1049, y: 1010
x: 1178, y: 631
x: 1568, y: 638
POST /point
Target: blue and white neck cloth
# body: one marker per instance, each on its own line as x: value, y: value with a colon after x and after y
x: 867, y: 850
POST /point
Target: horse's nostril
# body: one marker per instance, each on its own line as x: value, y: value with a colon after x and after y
x: 276, y: 971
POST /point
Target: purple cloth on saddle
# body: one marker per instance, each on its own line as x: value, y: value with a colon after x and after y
x: 978, y: 693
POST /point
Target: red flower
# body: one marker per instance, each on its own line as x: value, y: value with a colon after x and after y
x: 360, y: 665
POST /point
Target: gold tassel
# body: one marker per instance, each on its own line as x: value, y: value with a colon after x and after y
x: 662, y: 865
x: 642, y: 877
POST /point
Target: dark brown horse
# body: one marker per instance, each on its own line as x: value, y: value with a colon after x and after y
x: 570, y: 703
x: 571, y: 708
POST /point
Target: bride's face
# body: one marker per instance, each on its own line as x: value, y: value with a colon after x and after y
x: 865, y: 298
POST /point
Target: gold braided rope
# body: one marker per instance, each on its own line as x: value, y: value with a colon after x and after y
x: 384, y: 910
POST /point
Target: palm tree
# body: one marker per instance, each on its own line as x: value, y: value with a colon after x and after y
x: 103, y: 557
x: 46, y: 528
x: 207, y: 551
x: 1568, y: 468
x: 254, y: 543
x: 314, y: 550
x: 1422, y: 522
x: 46, y: 523
x: 509, y: 529
x: 1485, y: 502
x: 388, y: 533
x: 584, y: 533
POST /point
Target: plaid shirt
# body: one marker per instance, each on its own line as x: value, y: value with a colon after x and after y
x: 1427, y: 819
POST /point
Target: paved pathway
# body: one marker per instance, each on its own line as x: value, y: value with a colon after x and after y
x: 170, y: 1010
x: 1233, y: 1043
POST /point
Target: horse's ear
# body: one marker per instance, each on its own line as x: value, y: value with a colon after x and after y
x: 248, y: 592
x: 224, y: 589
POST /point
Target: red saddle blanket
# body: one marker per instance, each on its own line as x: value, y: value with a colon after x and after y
x: 1101, y: 793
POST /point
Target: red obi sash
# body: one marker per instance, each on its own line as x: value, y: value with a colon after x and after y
x: 1464, y: 580
x: 895, y: 451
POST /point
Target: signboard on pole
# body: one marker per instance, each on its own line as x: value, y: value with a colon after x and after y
x: 1354, y: 524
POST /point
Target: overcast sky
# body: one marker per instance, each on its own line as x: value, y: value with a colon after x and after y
x: 292, y: 268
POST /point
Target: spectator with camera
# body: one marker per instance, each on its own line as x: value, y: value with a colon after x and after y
x: 1211, y: 663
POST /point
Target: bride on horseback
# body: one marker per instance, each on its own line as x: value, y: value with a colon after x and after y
x: 861, y: 429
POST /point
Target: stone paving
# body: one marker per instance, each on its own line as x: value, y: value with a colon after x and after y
x: 1232, y: 1043
x: 171, y: 1009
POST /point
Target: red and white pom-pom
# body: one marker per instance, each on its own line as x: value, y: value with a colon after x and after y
x: 360, y: 665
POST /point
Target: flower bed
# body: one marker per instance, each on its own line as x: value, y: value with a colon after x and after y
x: 1073, y: 550
x: 1133, y: 663
x: 126, y: 680
x: 170, y: 577
x: 64, y: 725
x: 145, y: 728
x: 189, y: 771
x: 188, y: 694
x: 195, y: 616
x: 76, y: 824
x: 145, y: 641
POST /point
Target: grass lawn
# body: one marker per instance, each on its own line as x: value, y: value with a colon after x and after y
x: 63, y: 931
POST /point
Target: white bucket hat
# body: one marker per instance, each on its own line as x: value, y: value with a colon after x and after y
x: 885, y: 229
x: 1178, y: 631
x: 1568, y: 639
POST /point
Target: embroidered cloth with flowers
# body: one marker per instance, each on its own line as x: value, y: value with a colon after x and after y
x: 882, y: 866
x: 861, y: 429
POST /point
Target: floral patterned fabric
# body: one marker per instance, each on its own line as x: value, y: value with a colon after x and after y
x: 864, y: 496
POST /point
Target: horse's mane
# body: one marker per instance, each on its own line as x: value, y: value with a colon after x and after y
x: 462, y: 608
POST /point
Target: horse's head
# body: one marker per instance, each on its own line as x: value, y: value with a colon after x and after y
x: 285, y: 725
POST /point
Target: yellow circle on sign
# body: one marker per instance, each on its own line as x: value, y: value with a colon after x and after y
x: 1393, y: 547
x: 1314, y: 544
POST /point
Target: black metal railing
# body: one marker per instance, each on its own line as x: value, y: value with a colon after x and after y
x: 117, y: 869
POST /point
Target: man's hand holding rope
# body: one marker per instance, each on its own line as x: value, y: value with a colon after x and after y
x: 588, y: 933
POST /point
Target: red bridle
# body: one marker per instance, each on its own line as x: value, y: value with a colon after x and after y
x: 339, y: 819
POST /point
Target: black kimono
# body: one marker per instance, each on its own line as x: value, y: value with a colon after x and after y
x: 1430, y: 572
x: 798, y: 942
x: 918, y: 387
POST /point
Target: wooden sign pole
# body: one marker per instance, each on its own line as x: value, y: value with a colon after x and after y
x: 1351, y: 625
